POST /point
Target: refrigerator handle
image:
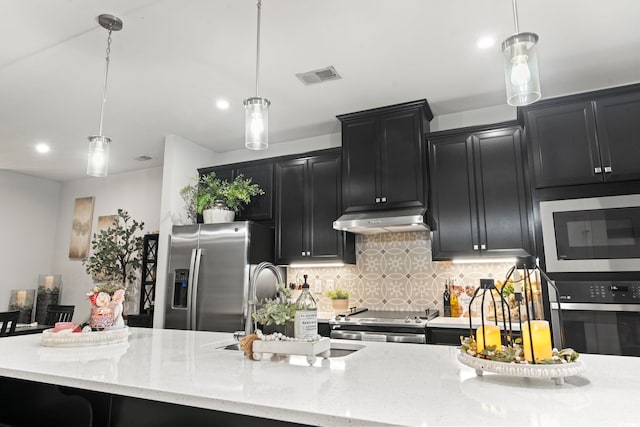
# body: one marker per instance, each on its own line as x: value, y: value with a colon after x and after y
x: 193, y: 307
x: 190, y: 286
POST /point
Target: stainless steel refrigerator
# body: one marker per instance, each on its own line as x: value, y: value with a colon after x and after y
x: 210, y: 266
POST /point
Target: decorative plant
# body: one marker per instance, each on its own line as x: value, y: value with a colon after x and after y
x: 208, y: 189
x: 116, y: 251
x: 337, y: 293
x: 276, y: 311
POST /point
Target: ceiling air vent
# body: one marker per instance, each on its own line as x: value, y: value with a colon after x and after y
x: 319, y: 76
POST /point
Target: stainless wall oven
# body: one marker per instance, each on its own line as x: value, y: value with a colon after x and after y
x: 600, y: 317
x: 597, y: 234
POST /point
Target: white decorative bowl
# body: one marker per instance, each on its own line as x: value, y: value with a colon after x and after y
x: 79, y: 339
x: 557, y: 371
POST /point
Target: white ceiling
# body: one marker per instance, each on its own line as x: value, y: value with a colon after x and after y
x: 174, y: 58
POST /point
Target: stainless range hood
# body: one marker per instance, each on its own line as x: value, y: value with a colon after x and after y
x: 385, y: 221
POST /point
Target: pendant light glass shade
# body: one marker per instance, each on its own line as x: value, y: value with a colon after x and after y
x: 256, y: 123
x: 521, y: 69
x: 98, y: 164
x: 256, y: 109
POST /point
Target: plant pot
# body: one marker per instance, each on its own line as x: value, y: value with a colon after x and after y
x: 218, y: 215
x: 340, y: 304
x: 101, y: 317
x: 287, y: 329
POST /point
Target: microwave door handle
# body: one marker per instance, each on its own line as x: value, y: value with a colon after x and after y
x: 192, y: 263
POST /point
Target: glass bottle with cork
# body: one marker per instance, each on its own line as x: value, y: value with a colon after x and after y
x: 306, y: 321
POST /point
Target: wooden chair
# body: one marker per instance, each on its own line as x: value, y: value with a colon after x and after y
x: 8, y: 321
x: 59, y: 313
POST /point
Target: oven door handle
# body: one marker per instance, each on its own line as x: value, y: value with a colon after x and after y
x: 571, y: 306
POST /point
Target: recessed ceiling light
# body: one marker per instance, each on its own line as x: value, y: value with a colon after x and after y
x: 485, y: 42
x: 222, y: 104
x: 42, y: 147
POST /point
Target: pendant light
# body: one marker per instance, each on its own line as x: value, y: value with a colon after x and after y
x: 521, y: 66
x: 98, y: 164
x: 256, y: 115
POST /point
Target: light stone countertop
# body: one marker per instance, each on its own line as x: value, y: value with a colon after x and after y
x: 388, y: 383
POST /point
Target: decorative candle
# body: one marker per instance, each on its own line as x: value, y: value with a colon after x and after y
x: 21, y: 298
x: 491, y: 337
x: 540, y: 340
x: 48, y: 282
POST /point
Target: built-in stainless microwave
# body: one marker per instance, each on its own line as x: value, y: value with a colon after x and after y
x: 592, y: 234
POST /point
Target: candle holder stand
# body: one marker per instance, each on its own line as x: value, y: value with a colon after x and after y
x: 517, y: 356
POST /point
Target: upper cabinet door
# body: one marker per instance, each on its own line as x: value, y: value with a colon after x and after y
x: 360, y: 163
x: 261, y: 207
x: 384, y: 158
x: 618, y: 124
x: 564, y: 146
x: 453, y: 202
x: 402, y: 160
x: 501, y: 193
x: 323, y: 176
x: 291, y: 206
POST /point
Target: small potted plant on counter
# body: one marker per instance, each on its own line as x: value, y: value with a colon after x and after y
x: 218, y: 200
x: 277, y: 314
x: 339, y: 299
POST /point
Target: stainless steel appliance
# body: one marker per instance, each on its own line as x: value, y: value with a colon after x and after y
x: 389, y: 326
x: 593, y: 234
x: 384, y: 221
x: 598, y: 316
x: 209, y: 270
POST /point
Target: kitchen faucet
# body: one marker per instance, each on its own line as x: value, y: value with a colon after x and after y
x: 250, y: 323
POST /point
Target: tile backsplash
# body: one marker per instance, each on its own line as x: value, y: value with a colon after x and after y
x: 394, y: 271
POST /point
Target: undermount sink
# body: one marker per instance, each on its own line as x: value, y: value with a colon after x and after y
x: 336, y: 349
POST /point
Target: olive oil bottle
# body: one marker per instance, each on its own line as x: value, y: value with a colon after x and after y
x: 455, y: 304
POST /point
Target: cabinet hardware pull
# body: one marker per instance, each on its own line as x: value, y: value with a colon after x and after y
x: 308, y: 253
x: 303, y: 253
x: 597, y: 170
x: 607, y: 169
x: 384, y: 199
x: 475, y: 247
x: 483, y: 247
x: 377, y: 199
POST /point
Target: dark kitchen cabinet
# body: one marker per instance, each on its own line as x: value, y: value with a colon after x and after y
x: 307, y: 202
x: 261, y: 172
x: 384, y: 157
x: 585, y: 139
x: 479, y: 200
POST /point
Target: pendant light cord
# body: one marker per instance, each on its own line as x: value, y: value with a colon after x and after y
x: 515, y: 15
x: 106, y: 76
x: 258, y: 47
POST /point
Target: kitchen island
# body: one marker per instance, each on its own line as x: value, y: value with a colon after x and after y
x: 382, y: 383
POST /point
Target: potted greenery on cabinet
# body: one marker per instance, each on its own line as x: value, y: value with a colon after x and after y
x: 218, y: 200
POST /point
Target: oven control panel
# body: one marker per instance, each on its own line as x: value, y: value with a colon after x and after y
x: 619, y: 292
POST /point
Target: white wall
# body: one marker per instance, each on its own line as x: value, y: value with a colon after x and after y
x: 28, y: 218
x: 182, y: 158
x: 281, y: 149
x: 137, y: 192
x: 481, y: 116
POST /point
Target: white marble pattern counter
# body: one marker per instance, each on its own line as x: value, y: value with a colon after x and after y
x: 388, y: 383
